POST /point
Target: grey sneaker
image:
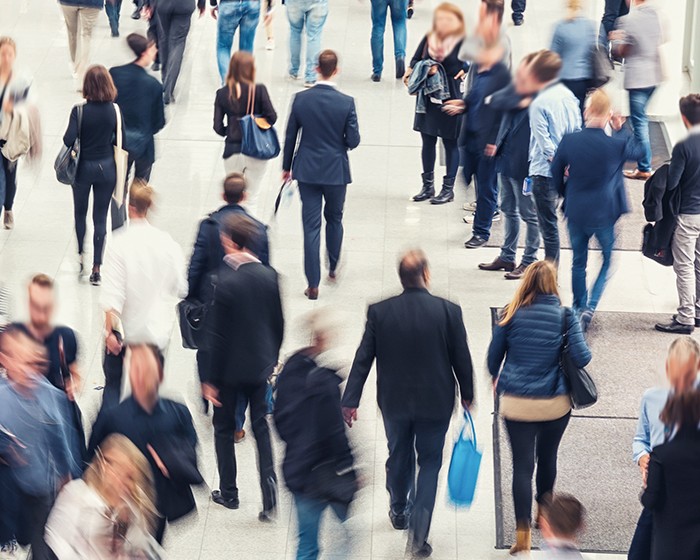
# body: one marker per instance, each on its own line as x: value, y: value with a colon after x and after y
x: 8, y: 220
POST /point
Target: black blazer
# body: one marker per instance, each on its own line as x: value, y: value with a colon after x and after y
x: 673, y: 495
x: 420, y: 344
x: 513, y: 140
x: 140, y: 98
x: 327, y: 122
x: 246, y: 325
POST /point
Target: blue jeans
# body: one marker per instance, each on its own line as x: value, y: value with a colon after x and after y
x: 398, y: 24
x: 516, y: 206
x: 483, y: 168
x: 232, y: 15
x: 312, y: 15
x: 546, y: 201
x: 113, y: 10
x: 518, y: 7
x: 580, y: 236
x: 639, y: 99
x: 309, y: 513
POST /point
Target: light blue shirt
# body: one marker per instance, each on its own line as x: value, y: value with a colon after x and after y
x: 650, y: 429
x: 574, y: 41
x: 553, y: 113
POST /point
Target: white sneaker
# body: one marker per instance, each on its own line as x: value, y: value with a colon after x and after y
x: 469, y: 206
x: 270, y: 45
x: 469, y: 218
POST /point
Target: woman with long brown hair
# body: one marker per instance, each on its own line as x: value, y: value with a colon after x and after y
x: 524, y: 361
x: 240, y: 96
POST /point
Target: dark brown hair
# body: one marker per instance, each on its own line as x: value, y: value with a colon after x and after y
x: 545, y: 66
x: 565, y: 515
x: 138, y: 43
x: 327, y: 63
x: 495, y: 7
x: 690, y: 108
x: 240, y: 229
x: 412, y: 269
x: 235, y: 186
x: 98, y: 85
x: 241, y: 70
x: 682, y: 409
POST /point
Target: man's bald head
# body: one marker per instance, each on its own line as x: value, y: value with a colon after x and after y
x: 413, y: 269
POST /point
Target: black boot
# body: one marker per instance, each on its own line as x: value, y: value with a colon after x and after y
x: 400, y: 68
x: 447, y: 194
x: 428, y: 190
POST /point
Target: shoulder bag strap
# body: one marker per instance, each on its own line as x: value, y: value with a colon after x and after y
x: 564, y: 327
x: 79, y: 111
x: 251, y: 99
x: 118, y: 113
x: 425, y: 47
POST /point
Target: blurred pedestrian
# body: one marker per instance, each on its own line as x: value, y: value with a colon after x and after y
x: 587, y: 173
x: 420, y: 345
x: 637, y: 38
x: 145, y: 272
x: 561, y: 520
x: 113, y: 9
x: 80, y: 17
x: 310, y: 15
x: 436, y: 55
x: 574, y: 40
x: 95, y: 124
x: 613, y: 10
x: 524, y: 361
x: 324, y: 123
x: 140, y: 98
x: 518, y: 7
x: 232, y: 15
x: 309, y: 420
x: 240, y: 96
x: 110, y: 513
x: 398, y: 13
x: 246, y: 327
x: 161, y: 429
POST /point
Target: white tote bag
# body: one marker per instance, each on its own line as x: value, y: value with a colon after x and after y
x: 121, y: 160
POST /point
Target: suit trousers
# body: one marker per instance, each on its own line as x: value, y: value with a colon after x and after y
x: 224, y: 427
x: 312, y: 199
x: 173, y: 28
x: 686, y: 265
x: 414, y: 441
x: 80, y: 22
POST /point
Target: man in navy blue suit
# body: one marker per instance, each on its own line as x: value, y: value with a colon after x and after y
x: 324, y: 121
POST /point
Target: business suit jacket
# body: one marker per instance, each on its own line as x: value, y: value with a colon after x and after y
x: 513, y: 139
x: 246, y: 325
x: 327, y: 122
x: 140, y: 98
x: 673, y: 495
x: 420, y: 344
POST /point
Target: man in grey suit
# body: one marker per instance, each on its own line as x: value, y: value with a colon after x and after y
x: 324, y: 121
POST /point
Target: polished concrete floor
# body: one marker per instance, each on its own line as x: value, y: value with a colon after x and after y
x: 380, y: 221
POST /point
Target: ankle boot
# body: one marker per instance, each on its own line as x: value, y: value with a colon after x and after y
x: 428, y: 190
x: 447, y: 193
x: 523, y: 539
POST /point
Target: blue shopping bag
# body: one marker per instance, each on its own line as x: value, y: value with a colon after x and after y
x: 464, y: 465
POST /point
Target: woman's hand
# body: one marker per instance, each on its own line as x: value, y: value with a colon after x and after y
x: 407, y: 76
x: 433, y: 70
x: 460, y: 75
x: 453, y: 107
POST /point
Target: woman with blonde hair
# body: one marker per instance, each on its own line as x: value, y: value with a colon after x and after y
x: 110, y: 512
x: 574, y: 40
x: 523, y: 359
x: 239, y: 96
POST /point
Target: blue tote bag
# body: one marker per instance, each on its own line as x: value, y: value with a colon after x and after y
x: 259, y: 138
x: 464, y: 465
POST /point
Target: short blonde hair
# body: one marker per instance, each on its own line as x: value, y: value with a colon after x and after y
x: 598, y: 103
x: 8, y: 41
x: 141, y: 196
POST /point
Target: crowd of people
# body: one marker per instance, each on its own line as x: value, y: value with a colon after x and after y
x: 530, y: 136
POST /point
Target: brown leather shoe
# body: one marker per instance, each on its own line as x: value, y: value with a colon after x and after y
x: 497, y: 264
x: 311, y: 293
x: 637, y: 175
x: 517, y: 273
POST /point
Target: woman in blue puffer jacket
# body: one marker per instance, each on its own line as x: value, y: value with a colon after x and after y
x: 534, y: 399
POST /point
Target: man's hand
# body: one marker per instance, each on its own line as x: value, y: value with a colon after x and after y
x: 617, y: 121
x: 72, y: 385
x: 460, y: 75
x: 490, y: 150
x: 407, y: 76
x: 349, y: 415
x: 113, y: 345
x: 286, y: 176
x: 211, y: 394
x: 454, y: 107
x: 215, y: 12
x: 159, y: 462
x: 524, y: 102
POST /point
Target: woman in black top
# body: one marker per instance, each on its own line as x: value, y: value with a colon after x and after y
x: 232, y: 103
x: 96, y: 168
x: 441, y: 46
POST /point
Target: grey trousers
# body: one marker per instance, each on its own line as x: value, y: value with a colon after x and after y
x: 173, y: 28
x: 80, y: 22
x: 686, y: 265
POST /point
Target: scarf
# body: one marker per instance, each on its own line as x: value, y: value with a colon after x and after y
x: 439, y: 49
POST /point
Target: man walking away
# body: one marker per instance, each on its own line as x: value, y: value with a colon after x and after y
x: 420, y: 344
x: 398, y: 10
x: 245, y: 330
x: 140, y: 98
x: 309, y: 14
x: 80, y: 17
x: 231, y: 15
x: 684, y: 175
x: 324, y: 121
x: 554, y: 112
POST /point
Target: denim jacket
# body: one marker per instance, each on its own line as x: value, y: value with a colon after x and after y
x: 425, y: 85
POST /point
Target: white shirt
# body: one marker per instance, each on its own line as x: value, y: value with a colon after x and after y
x: 144, y: 271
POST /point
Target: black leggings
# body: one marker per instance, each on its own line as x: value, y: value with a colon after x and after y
x: 530, y: 441
x: 9, y: 168
x: 101, y: 177
x: 428, y: 154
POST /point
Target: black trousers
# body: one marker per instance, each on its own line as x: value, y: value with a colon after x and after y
x: 530, y: 442
x: 113, y: 368
x: 33, y: 514
x: 640, y: 548
x: 579, y: 88
x: 173, y: 28
x: 100, y: 177
x: 10, y: 170
x: 142, y: 170
x: 613, y: 10
x: 414, y: 441
x: 518, y: 7
x: 152, y: 32
x: 224, y: 428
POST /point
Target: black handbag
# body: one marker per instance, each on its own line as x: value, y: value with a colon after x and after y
x: 582, y: 389
x: 328, y: 483
x: 66, y: 164
x: 651, y: 250
x: 191, y: 315
x: 602, y: 67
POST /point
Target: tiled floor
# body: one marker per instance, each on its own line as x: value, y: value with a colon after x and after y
x: 380, y: 221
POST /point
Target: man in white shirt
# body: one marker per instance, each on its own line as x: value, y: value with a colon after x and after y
x: 144, y: 272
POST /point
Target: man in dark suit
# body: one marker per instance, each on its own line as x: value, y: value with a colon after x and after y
x: 327, y: 122
x: 420, y: 344
x: 246, y: 327
x: 140, y: 99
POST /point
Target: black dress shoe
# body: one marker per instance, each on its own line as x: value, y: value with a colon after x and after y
x: 156, y: 67
x: 376, y: 77
x: 498, y: 264
x: 136, y: 14
x: 399, y: 521
x: 409, y: 11
x: 400, y: 68
x: 697, y: 320
x: 266, y: 516
x: 674, y: 327
x: 311, y: 293
x: 95, y: 279
x: 230, y: 503
x: 475, y: 242
x: 422, y: 550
